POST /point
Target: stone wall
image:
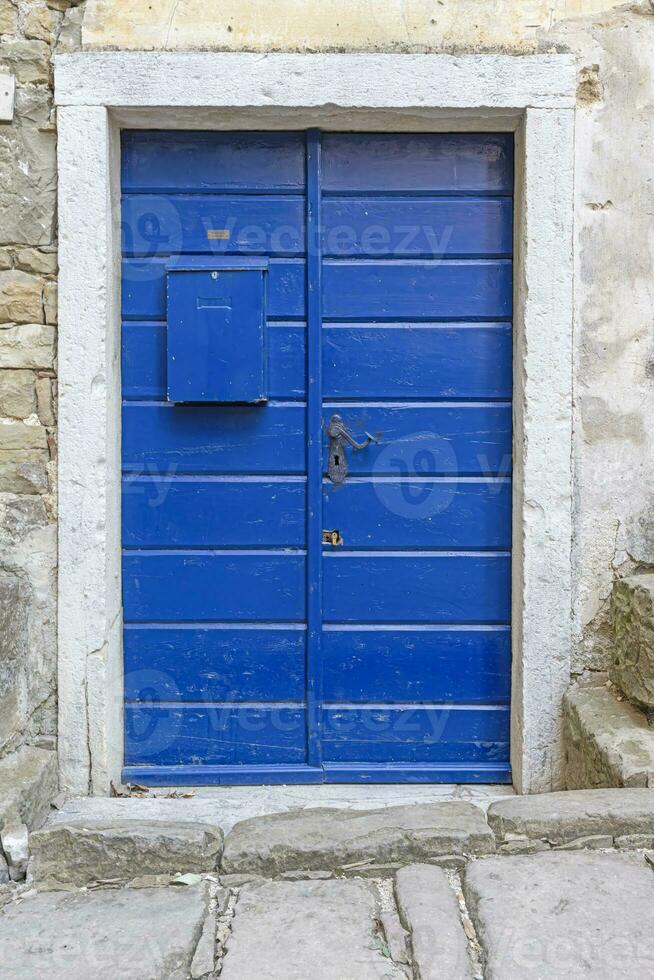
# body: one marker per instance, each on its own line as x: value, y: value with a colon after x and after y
x: 613, y: 459
x: 30, y: 30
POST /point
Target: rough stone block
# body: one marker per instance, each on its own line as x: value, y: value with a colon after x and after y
x: 632, y: 614
x: 21, y: 297
x: 568, y: 817
x: 15, y: 844
x: 606, y: 742
x: 430, y: 911
x: 34, y: 260
x: 17, y: 394
x: 291, y: 931
x: 30, y: 345
x: 563, y: 914
x: 8, y: 17
x: 28, y: 157
x: 350, y: 840
x: 28, y: 784
x: 80, y: 853
x: 29, y: 60
x: 134, y: 935
x: 21, y: 435
x: 40, y: 21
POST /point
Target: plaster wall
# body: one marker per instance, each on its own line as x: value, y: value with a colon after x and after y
x: 612, y: 459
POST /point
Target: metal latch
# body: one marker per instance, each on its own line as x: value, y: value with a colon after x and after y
x: 338, y: 434
x: 332, y: 537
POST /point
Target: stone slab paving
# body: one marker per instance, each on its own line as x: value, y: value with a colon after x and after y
x: 150, y: 934
x: 430, y: 911
x: 81, y: 853
x: 558, y: 915
x: 323, y: 930
x: 620, y: 816
x: 348, y: 841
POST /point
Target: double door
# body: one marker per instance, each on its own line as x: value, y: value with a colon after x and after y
x: 316, y: 584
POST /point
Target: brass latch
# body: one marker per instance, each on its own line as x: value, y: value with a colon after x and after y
x: 332, y: 537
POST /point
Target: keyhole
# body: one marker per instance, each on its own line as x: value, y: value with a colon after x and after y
x: 337, y: 460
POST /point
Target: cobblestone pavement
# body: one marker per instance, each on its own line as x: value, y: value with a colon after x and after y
x: 543, y: 887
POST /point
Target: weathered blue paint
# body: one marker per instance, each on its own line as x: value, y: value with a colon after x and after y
x: 253, y: 652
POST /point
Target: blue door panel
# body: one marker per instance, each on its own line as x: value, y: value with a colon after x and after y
x: 444, y: 664
x: 166, y: 439
x: 416, y: 734
x: 389, y: 262
x: 420, y: 290
x: 215, y: 663
x: 144, y: 360
x: 213, y: 735
x: 208, y: 162
x: 419, y: 163
x: 430, y: 438
x: 385, y: 512
x: 418, y: 360
x: 419, y: 587
x: 204, y: 586
x: 144, y: 289
x: 403, y: 228
x: 225, y: 225
x: 194, y: 512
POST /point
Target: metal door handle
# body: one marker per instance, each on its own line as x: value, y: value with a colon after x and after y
x: 338, y: 433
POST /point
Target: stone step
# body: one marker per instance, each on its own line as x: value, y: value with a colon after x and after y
x: 601, y: 817
x: 128, y: 934
x: 295, y: 930
x: 563, y: 915
x: 357, y: 842
x: 78, y: 854
x: 607, y: 742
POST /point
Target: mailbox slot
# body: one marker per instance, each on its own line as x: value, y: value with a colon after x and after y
x: 216, y: 330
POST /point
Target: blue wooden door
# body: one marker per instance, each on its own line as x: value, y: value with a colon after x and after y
x: 256, y: 651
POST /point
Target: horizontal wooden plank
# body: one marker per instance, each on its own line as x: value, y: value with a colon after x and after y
x: 428, y: 227
x: 464, y: 665
x: 367, y: 361
x: 246, y: 775
x: 207, y: 586
x: 417, y: 588
x: 144, y: 288
x: 205, y: 161
x: 144, y: 360
x: 427, y: 162
x: 169, y: 512
x: 214, y: 735
x: 405, y: 360
x: 414, y: 734
x: 216, y: 663
x: 426, y: 439
x: 420, y: 513
x: 380, y: 772
x: 153, y: 224
x: 165, y: 439
x: 421, y: 290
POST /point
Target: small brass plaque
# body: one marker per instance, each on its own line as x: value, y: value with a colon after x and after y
x: 220, y: 234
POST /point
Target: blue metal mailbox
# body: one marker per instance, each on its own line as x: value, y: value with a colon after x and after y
x: 215, y: 330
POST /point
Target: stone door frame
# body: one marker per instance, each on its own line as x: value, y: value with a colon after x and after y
x: 97, y: 94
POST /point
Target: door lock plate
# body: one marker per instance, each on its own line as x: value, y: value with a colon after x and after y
x: 332, y: 537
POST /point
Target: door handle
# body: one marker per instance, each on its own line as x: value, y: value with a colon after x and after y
x: 338, y: 434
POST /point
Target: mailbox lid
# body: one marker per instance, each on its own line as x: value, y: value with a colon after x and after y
x: 216, y: 330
